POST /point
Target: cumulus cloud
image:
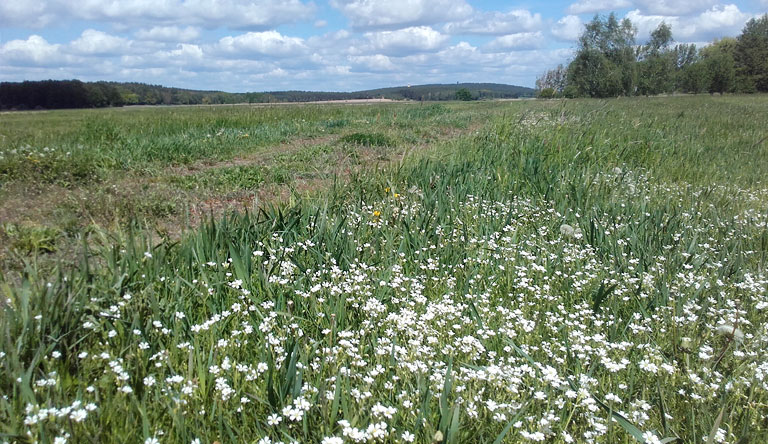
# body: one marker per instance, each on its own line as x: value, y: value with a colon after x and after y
x: 589, y: 6
x: 377, y: 62
x: 568, y: 28
x: 93, y: 42
x: 34, y: 51
x: 31, y: 13
x: 245, y: 14
x: 186, y: 52
x: 498, y: 23
x: 674, y: 7
x: 718, y: 21
x: 406, y: 41
x: 268, y: 43
x: 168, y: 34
x: 399, y: 13
x: 517, y: 41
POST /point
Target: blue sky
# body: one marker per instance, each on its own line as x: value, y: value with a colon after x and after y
x: 329, y: 45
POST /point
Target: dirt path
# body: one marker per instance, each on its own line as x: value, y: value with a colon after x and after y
x: 259, y: 157
x: 168, y: 209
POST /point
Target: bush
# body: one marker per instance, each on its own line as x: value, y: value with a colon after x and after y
x: 463, y: 94
x: 547, y: 93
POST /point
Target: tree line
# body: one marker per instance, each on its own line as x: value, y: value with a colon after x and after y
x: 57, y: 94
x: 608, y: 63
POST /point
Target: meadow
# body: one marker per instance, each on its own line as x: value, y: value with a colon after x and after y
x: 493, y: 272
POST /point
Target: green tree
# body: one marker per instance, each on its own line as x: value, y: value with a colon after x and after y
x: 546, y: 93
x: 693, y: 78
x: 718, y: 59
x: 554, y: 79
x: 463, y: 94
x: 656, y: 68
x: 751, y: 55
x: 604, y: 65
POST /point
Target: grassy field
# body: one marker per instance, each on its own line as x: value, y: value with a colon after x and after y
x: 66, y: 174
x: 500, y: 272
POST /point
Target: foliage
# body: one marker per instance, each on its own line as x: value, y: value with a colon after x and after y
x: 52, y: 94
x: 463, y: 94
x: 547, y: 93
x: 718, y: 60
x: 31, y: 238
x: 554, y: 79
x: 56, y: 94
x: 605, y: 64
x: 657, y: 63
x: 751, y: 54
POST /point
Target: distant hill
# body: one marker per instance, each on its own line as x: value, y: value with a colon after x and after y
x: 53, y: 94
x: 415, y: 92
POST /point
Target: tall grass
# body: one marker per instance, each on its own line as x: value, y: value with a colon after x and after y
x: 573, y: 272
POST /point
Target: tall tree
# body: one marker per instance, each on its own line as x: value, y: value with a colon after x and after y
x: 751, y: 54
x: 604, y: 64
x: 657, y: 62
x: 718, y: 59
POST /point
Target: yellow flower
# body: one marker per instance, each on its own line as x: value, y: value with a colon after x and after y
x: 397, y: 195
x: 387, y: 189
x: 376, y: 213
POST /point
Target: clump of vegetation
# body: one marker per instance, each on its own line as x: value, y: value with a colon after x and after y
x: 367, y: 139
x: 464, y: 95
x: 223, y: 178
x: 27, y: 238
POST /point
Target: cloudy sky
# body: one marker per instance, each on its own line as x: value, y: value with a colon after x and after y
x: 329, y: 45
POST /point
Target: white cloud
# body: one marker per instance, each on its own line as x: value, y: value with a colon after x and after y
x: 30, y: 13
x: 462, y: 52
x: 406, y: 41
x: 498, y: 23
x: 337, y: 41
x: 378, y: 62
x: 517, y: 41
x: 93, y: 42
x: 337, y: 70
x: 187, y: 52
x: 589, y: 6
x: 727, y: 20
x: 268, y: 43
x: 674, y: 7
x: 397, y: 13
x: 645, y: 24
x: 168, y: 34
x: 34, y: 51
x: 568, y: 28
x: 243, y: 14
x: 718, y: 21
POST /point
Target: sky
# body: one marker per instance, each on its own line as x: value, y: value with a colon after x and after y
x: 324, y: 45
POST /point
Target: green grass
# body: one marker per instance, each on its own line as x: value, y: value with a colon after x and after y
x: 165, y: 166
x: 367, y: 139
x: 441, y: 294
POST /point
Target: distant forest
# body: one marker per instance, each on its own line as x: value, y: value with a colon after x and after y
x: 608, y: 63
x: 57, y: 94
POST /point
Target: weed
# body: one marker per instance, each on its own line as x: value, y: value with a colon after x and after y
x: 367, y: 139
x: 31, y: 238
